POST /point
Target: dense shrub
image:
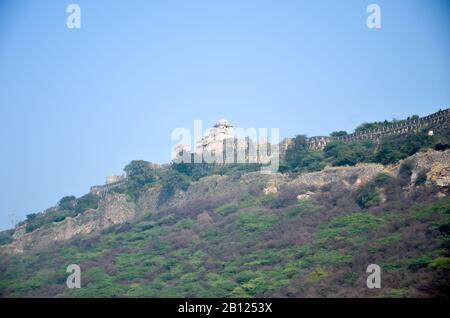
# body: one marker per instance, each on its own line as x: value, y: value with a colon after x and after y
x: 171, y: 181
x: 350, y: 153
x: 381, y: 179
x: 338, y: 133
x: 140, y: 174
x: 6, y: 237
x: 228, y: 208
x: 199, y: 169
x: 368, y: 196
x: 296, y: 153
x: 285, y: 197
x: 68, y: 202
x: 395, y: 148
x: 421, y: 178
x: 67, y: 207
x: 256, y: 222
x: 87, y: 201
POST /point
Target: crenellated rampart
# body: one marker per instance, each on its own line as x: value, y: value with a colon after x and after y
x: 435, y: 122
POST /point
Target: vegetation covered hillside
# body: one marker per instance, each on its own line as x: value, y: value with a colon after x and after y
x: 184, y: 231
x: 253, y: 244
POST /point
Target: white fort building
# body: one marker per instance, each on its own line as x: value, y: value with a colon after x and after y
x: 224, y: 144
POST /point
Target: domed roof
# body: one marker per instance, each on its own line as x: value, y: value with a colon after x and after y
x: 222, y: 122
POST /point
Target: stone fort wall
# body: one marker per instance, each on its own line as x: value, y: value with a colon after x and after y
x: 101, y: 190
x: 435, y: 122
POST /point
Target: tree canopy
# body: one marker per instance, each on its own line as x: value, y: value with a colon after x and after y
x: 139, y: 173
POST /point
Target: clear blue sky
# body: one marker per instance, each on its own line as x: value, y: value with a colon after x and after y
x: 77, y: 105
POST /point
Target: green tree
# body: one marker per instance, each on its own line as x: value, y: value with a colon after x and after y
x: 87, y: 201
x: 338, y: 133
x: 171, y: 181
x: 296, y: 152
x: 139, y: 173
x: 349, y: 153
x: 68, y: 202
x: 195, y: 169
x: 313, y: 161
x: 31, y: 216
x: 395, y: 148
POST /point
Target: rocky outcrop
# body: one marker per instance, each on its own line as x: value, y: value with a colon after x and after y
x: 432, y: 166
x: 148, y: 201
x: 305, y: 196
x: 113, y: 209
x: 440, y: 175
x: 270, y: 189
x: 220, y: 185
x: 352, y: 176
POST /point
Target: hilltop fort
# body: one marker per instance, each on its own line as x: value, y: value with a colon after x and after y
x: 221, y: 136
x: 158, y: 188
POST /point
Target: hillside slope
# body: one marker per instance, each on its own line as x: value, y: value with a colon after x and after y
x: 252, y: 235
